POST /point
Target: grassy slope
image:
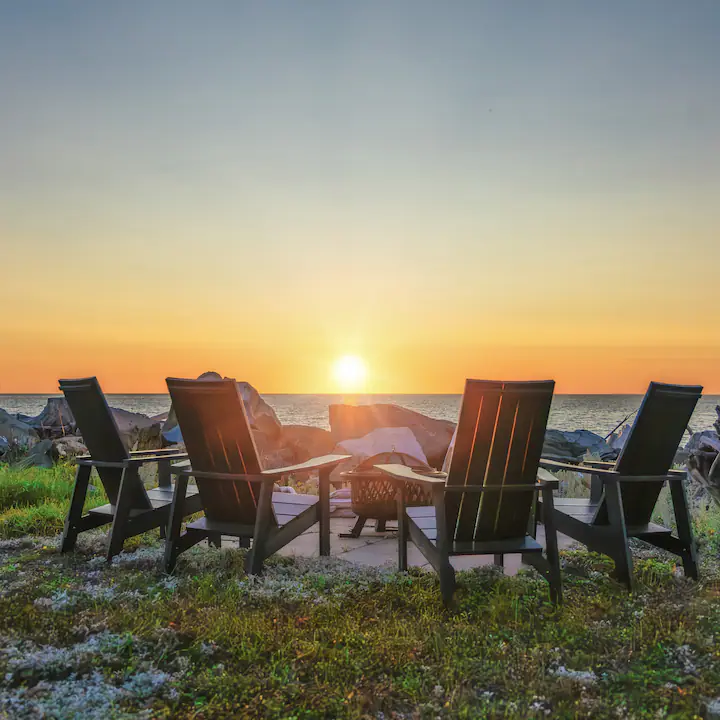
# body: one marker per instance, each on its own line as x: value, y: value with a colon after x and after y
x: 326, y: 639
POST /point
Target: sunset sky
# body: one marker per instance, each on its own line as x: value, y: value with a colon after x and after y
x: 446, y: 190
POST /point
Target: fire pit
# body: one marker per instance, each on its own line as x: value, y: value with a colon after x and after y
x: 373, y: 494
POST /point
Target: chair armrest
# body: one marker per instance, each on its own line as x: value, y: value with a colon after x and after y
x: 547, y: 479
x: 87, y: 460
x: 314, y: 464
x: 188, y: 472
x: 137, y: 460
x: 524, y: 487
x: 605, y: 475
x: 599, y: 463
x: 148, y: 458
x: 570, y: 467
x: 158, y: 451
x: 184, y: 470
x: 403, y: 472
x: 439, y: 480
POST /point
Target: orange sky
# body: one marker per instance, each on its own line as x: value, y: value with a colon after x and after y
x: 264, y: 188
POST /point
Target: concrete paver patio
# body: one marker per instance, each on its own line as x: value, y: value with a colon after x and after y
x: 373, y: 548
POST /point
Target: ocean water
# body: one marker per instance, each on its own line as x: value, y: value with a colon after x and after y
x: 598, y: 413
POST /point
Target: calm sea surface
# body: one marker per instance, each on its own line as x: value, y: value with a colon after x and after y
x: 599, y: 413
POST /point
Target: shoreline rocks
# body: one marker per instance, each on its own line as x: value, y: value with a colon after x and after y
x: 280, y: 445
x: 348, y: 422
x: 307, y: 442
x: 55, y: 419
x: 703, y: 462
x: 574, y: 445
x: 16, y: 432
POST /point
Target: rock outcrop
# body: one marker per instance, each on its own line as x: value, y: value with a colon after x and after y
x: 618, y: 438
x: 260, y: 415
x: 138, y: 431
x: 16, y: 432
x: 703, y: 461
x: 271, y: 451
x: 55, y: 419
x: 567, y: 445
x: 40, y: 455
x: 306, y: 442
x: 69, y: 447
x: 592, y: 443
x: 355, y: 421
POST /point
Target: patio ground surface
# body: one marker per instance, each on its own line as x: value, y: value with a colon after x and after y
x: 377, y: 549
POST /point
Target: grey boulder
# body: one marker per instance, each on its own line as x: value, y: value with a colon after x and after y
x: 16, y: 432
x: 355, y: 421
x: 55, y: 419
x: 573, y: 446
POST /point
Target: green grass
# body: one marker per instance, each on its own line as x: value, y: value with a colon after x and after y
x: 34, y: 501
x: 325, y: 639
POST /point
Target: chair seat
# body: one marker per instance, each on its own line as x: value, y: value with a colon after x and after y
x: 424, y: 519
x: 580, y: 508
x: 159, y: 497
x: 583, y: 510
x: 285, y: 506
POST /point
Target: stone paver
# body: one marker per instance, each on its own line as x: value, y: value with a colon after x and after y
x: 373, y: 548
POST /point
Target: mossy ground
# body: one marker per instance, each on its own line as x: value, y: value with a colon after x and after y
x: 323, y: 638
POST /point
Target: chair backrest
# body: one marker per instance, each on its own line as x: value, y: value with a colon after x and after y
x: 650, y: 448
x: 100, y: 435
x: 499, y: 442
x: 217, y: 436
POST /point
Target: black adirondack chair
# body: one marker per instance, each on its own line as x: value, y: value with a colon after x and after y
x: 132, y: 509
x: 623, y: 494
x: 485, y: 505
x: 235, y: 492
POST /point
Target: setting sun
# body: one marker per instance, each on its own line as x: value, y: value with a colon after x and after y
x: 350, y: 373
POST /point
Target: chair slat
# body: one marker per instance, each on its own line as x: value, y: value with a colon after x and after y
x: 523, y: 457
x: 478, y: 416
x: 499, y: 454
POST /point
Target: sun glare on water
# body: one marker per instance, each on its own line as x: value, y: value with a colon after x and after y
x: 350, y: 373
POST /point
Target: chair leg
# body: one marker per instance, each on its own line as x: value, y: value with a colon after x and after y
x: 447, y: 581
x: 380, y: 526
x: 402, y: 529
x: 116, y: 539
x: 357, y: 528
x: 551, y: 545
x: 446, y: 570
x: 172, y: 536
x: 535, y: 517
x: 684, y: 527
x: 263, y: 518
x: 324, y: 511
x: 70, y: 532
x: 163, y: 470
x: 620, y: 550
